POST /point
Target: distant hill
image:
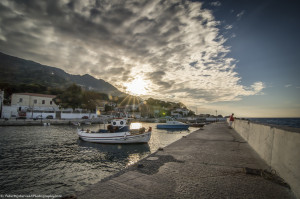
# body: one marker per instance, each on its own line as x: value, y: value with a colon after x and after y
x: 15, y: 70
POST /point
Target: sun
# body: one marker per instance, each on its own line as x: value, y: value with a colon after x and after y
x: 137, y: 87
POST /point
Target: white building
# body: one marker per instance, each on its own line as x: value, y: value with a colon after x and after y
x: 30, y: 105
x: 179, y: 112
x: 33, y: 101
x: 34, y: 105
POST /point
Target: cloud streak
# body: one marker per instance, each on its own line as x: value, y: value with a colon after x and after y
x: 175, y: 46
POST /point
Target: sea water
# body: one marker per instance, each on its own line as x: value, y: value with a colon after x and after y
x: 290, y: 122
x: 52, y: 160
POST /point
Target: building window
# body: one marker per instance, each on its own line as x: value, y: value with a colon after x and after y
x: 50, y: 102
x: 35, y: 101
x: 21, y: 100
x: 43, y: 101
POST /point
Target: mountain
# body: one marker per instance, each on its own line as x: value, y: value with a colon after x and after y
x: 91, y: 83
x: 15, y: 70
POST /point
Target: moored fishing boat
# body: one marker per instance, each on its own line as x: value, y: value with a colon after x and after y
x: 171, y: 124
x: 117, y: 132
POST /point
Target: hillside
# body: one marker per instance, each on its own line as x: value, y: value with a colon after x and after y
x: 15, y: 70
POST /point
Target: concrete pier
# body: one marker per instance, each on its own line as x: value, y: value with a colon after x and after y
x: 211, y: 163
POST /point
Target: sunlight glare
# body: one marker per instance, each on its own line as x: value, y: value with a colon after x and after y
x: 133, y: 158
x: 137, y: 87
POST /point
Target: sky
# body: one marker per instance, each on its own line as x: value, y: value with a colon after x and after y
x: 233, y: 56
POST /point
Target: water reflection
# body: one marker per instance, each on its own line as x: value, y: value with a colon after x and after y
x: 114, y: 148
x: 128, y: 153
x: 54, y: 160
x: 133, y: 158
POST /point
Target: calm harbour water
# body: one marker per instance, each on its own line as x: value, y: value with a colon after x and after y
x: 52, y: 160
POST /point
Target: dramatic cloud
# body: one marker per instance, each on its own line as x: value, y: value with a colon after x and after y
x: 228, y: 27
x: 240, y: 14
x: 216, y: 3
x: 288, y: 85
x: 174, y: 46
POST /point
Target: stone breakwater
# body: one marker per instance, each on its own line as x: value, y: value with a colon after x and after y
x: 278, y: 146
x: 210, y: 163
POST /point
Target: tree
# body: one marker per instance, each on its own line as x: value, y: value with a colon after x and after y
x: 91, y: 99
x: 108, y: 108
x: 144, y: 109
x: 72, y: 97
x: 55, y: 91
x: 191, y: 113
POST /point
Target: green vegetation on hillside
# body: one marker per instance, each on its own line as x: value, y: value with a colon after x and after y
x: 14, y: 70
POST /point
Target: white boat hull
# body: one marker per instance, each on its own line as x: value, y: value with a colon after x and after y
x: 118, y: 138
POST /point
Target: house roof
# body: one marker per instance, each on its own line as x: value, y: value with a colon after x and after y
x: 36, y: 94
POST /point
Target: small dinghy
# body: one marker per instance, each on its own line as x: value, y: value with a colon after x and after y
x: 117, y: 132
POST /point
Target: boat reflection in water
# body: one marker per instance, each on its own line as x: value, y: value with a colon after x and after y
x: 129, y: 153
x: 115, y: 148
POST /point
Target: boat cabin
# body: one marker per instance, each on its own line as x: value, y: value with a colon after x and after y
x: 119, y: 122
x: 116, y: 126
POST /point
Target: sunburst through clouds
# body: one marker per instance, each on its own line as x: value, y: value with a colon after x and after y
x: 138, y: 86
